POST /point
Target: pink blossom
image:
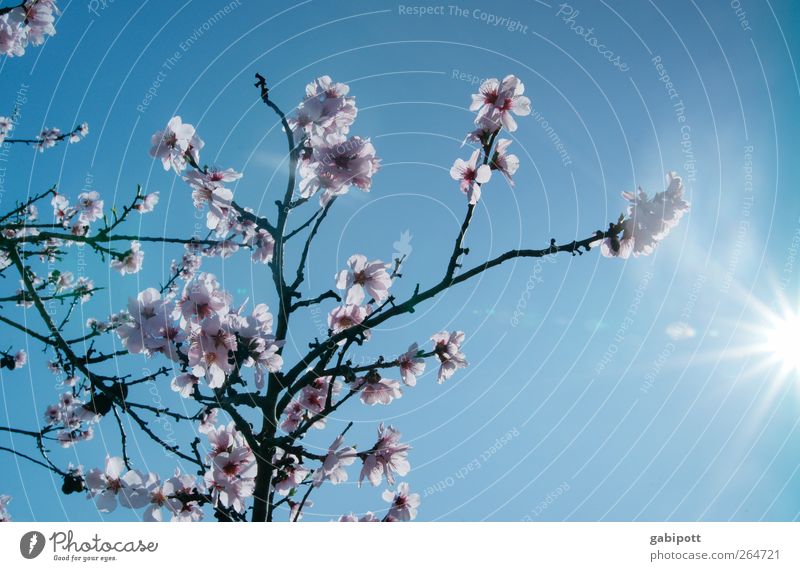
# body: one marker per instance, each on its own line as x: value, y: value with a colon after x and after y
x: 148, y: 203
x: 147, y: 310
x: 262, y: 354
x: 172, y: 145
x: 203, y: 297
x: 160, y: 496
x: 295, y: 513
x: 447, y: 347
x: 388, y: 457
x: 132, y: 262
x: 411, y: 366
x: 84, y: 286
x: 362, y: 276
x: 62, y: 211
x: 79, y: 133
x: 263, y: 246
x: 500, y: 99
x: 314, y: 395
x: 90, y: 206
x: 48, y: 139
x: 208, y: 188
x: 211, y: 344
x: 294, y: 414
x: 377, y: 390
x: 207, y: 421
x: 404, y: 504
x: 345, y: 317
x: 471, y: 176
x: 182, y: 485
x: 110, y: 485
x: 614, y: 247
x: 506, y: 163
x: 291, y: 472
x: 231, y: 478
x: 332, y: 468
x: 336, y: 164
x: 184, y: 384
x: 40, y: 19
x: 327, y: 109
x: 13, y: 33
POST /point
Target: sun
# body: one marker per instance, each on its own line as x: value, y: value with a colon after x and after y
x: 782, y: 341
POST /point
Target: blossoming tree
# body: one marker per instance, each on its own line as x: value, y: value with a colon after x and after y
x: 225, y: 356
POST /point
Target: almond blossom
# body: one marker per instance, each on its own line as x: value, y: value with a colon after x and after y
x: 148, y: 203
x: 500, y: 99
x: 377, y: 390
x: 447, y: 347
x: 411, y: 366
x: 471, y: 176
x: 290, y: 474
x: 184, y: 384
x: 114, y: 484
x: 208, y: 189
x: 333, y: 465
x: 362, y: 276
x: 90, y: 206
x: 386, y: 458
x: 210, y: 347
x: 404, y: 504
x: 263, y: 246
x: 346, y: 316
x: 48, y: 139
x: 132, y: 262
x: 175, y: 143
x: 327, y: 109
x: 74, y: 417
x: 231, y: 477
x: 315, y: 394
x: 79, y: 133
x: 503, y: 161
x: 203, y: 297
x: 40, y: 19
x: 337, y: 163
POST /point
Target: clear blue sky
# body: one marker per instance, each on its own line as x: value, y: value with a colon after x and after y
x: 609, y: 417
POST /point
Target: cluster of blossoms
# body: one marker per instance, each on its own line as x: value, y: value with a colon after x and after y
x: 361, y: 278
x: 496, y: 104
x: 78, y: 217
x: 48, y: 138
x: 331, y: 160
x: 29, y: 23
x: 75, y: 418
x: 178, y: 147
x: 202, y: 331
x: 231, y: 476
x: 649, y: 220
x: 132, y: 489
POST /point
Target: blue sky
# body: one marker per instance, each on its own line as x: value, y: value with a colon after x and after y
x: 599, y: 413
